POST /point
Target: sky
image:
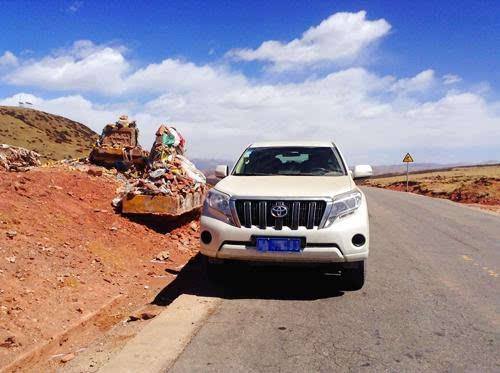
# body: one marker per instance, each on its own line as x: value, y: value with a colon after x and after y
x: 379, y: 78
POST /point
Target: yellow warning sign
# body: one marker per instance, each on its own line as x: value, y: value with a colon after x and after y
x: 408, y: 158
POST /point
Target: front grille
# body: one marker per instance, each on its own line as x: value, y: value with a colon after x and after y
x: 299, y: 213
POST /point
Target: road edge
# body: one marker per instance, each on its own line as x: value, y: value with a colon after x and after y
x: 159, y: 344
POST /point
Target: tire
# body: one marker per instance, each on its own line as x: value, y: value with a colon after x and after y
x: 353, y: 276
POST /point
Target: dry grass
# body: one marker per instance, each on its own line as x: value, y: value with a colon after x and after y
x: 479, y: 184
x: 53, y: 136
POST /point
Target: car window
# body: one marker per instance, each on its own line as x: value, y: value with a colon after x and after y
x: 300, y: 161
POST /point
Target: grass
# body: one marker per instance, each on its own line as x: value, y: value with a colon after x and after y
x: 478, y: 184
x: 53, y: 136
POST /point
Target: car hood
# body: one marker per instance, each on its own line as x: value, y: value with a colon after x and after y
x: 285, y: 186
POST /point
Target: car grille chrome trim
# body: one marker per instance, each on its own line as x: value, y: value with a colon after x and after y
x: 307, y: 213
x: 295, y: 215
x: 247, y: 214
x: 311, y: 214
x: 263, y: 215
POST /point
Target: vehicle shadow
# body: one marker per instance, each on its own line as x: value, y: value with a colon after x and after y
x: 243, y: 281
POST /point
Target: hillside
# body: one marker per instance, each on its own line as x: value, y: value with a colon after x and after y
x: 469, y: 184
x: 53, y: 136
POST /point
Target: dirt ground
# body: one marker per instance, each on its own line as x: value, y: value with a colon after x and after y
x: 477, y: 186
x: 71, y: 267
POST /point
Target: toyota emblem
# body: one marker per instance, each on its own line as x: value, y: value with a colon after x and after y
x: 279, y: 210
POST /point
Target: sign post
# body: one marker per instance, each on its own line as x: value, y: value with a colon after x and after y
x: 407, y: 159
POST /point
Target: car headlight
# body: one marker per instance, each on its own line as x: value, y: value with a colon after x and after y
x: 344, y: 204
x: 217, y: 206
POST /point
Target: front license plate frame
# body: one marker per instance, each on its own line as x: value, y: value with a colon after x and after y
x: 279, y: 244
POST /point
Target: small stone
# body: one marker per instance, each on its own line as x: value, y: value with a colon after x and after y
x: 133, y: 318
x: 67, y: 357
x: 193, y: 226
x: 147, y: 315
x: 162, y: 255
x: 114, y: 229
x: 116, y: 201
x: 94, y: 171
x: 11, y: 259
x: 11, y: 234
x: 10, y: 341
x: 146, y: 287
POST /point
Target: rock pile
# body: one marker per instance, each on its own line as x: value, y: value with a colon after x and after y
x: 118, y: 146
x: 13, y: 158
x: 168, y: 171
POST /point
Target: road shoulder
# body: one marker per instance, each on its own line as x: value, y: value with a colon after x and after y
x: 164, y: 338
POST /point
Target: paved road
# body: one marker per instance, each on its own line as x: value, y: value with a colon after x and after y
x: 431, y: 302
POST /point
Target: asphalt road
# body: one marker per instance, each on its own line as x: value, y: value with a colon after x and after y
x: 431, y: 302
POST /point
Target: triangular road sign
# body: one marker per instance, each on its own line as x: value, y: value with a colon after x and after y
x: 408, y: 158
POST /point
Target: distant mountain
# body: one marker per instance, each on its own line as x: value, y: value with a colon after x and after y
x: 53, y: 136
x: 208, y: 165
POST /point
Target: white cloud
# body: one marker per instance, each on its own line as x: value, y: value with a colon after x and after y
x: 451, y: 79
x: 8, y: 59
x: 340, y: 37
x: 419, y: 83
x: 84, y: 67
x: 179, y: 76
x: 353, y: 107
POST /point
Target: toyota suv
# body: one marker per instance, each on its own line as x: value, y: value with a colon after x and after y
x: 289, y: 202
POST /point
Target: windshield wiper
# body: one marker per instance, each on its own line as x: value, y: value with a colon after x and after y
x: 253, y: 174
x: 330, y: 173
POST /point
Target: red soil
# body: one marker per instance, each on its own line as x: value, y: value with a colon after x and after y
x: 65, y: 253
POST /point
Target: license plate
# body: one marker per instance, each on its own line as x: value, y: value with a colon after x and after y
x: 278, y: 244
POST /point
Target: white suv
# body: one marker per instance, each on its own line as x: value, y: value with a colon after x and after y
x: 289, y: 202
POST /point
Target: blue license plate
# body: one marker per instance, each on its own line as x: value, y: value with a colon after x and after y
x: 278, y: 244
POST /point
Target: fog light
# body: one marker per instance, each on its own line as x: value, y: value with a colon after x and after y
x: 206, y: 237
x: 358, y: 240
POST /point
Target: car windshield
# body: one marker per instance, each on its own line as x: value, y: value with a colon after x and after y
x: 290, y: 160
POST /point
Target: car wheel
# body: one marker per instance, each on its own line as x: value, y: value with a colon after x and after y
x: 353, y: 276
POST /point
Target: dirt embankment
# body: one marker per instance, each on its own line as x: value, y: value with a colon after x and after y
x: 65, y: 255
x: 471, y: 185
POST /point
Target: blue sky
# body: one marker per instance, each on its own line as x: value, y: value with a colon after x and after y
x: 454, y: 44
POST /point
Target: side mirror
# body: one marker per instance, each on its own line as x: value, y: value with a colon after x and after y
x: 221, y: 171
x: 362, y: 171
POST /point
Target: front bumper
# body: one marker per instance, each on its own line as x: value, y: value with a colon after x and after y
x: 327, y: 245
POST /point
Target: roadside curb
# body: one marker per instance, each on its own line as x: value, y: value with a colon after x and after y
x: 158, y: 345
